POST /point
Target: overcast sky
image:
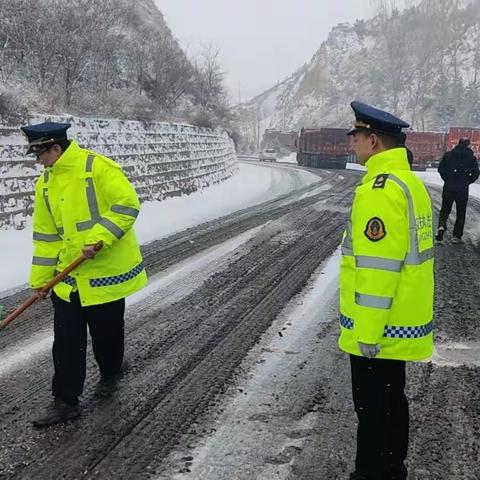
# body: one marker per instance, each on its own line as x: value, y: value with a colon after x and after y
x: 261, y: 41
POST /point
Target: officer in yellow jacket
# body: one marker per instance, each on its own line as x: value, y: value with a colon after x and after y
x: 386, y: 291
x: 83, y: 199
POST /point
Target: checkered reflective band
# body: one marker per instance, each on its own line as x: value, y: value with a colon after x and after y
x: 69, y: 280
x: 408, y: 332
x: 115, y: 280
x: 346, y: 322
x: 393, y: 331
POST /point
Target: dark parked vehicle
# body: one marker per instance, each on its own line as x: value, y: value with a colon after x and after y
x: 273, y: 137
x: 427, y: 148
x: 324, y: 148
x: 330, y: 147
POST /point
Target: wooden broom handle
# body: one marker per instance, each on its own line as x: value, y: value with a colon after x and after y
x: 46, y: 288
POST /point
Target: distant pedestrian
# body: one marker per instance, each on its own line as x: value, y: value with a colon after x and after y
x: 386, y: 291
x: 82, y: 199
x: 458, y: 169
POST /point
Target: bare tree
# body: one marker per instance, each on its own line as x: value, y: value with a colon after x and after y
x: 208, y: 79
x: 392, y: 51
x: 79, y: 54
x: 167, y: 76
x: 87, y: 24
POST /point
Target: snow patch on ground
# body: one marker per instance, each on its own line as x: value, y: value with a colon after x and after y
x: 292, y: 158
x: 252, y: 185
x: 356, y: 166
x: 432, y: 177
x: 253, y: 427
x: 454, y: 354
x: 164, y: 288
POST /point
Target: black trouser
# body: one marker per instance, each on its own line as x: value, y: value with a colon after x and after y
x: 460, y: 197
x: 106, y: 325
x: 383, y: 419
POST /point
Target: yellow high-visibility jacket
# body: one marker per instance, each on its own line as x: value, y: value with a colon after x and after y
x: 386, y: 273
x: 82, y: 199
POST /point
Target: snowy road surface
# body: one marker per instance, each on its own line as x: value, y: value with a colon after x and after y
x: 234, y: 369
x: 252, y: 185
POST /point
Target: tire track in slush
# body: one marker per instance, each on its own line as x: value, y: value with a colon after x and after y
x: 161, y: 254
x: 194, y: 393
x: 164, y: 363
x: 182, y: 357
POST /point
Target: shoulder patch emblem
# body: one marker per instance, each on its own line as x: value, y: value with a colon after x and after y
x: 380, y: 181
x: 375, y: 229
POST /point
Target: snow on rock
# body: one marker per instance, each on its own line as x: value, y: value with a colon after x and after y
x: 356, y: 62
x: 161, y: 159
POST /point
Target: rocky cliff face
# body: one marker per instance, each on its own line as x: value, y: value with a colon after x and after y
x: 422, y: 63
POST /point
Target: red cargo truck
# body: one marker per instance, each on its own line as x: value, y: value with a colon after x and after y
x: 275, y: 138
x: 324, y: 148
x: 330, y: 147
x: 427, y: 148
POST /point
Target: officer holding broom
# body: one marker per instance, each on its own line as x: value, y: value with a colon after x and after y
x: 83, y: 204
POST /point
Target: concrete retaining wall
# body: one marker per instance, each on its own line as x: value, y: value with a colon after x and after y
x: 161, y: 159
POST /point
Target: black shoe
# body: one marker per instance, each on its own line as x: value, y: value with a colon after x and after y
x: 58, y: 412
x: 439, y: 235
x: 106, y: 387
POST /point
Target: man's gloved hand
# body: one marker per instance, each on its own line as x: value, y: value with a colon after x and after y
x: 369, y: 350
x: 41, y: 295
x: 89, y: 251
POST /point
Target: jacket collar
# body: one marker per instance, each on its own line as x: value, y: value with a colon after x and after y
x: 68, y: 161
x: 385, y: 162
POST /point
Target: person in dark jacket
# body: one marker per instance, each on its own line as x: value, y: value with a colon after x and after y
x: 458, y: 169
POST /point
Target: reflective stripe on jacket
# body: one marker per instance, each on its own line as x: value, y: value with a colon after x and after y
x: 85, y: 198
x: 386, y: 274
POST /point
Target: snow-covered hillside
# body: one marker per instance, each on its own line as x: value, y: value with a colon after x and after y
x: 422, y: 63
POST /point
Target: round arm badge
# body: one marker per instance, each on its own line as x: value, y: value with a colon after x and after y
x: 375, y: 229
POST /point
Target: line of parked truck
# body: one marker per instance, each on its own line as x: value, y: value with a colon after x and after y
x: 330, y: 147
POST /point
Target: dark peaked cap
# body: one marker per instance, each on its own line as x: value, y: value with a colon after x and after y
x: 44, y: 134
x: 372, y: 119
